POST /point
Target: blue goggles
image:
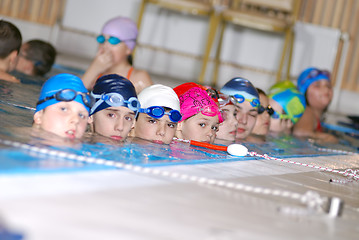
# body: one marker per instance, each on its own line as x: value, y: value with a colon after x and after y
x: 116, y: 100
x: 158, y: 112
x: 240, y: 99
x: 113, y: 40
x: 68, y: 95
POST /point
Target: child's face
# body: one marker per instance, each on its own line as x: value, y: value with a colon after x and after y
x: 228, y: 128
x: 199, y: 127
x: 119, y: 51
x: 158, y: 130
x: 114, y: 122
x: 263, y: 120
x: 65, y: 119
x: 320, y: 94
x: 246, y: 117
x: 279, y: 125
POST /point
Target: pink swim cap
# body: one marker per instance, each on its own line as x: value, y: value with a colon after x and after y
x: 123, y: 28
x: 196, y: 100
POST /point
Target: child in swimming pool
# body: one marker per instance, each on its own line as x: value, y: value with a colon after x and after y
x: 316, y: 86
x: 262, y: 125
x: 246, y: 99
x: 200, y: 114
x: 10, y: 43
x: 36, y: 58
x: 117, y: 41
x: 113, y: 114
x: 63, y: 106
x: 159, y: 114
x: 228, y: 128
x: 288, y: 105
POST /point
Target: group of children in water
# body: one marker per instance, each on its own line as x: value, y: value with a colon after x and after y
x: 114, y: 100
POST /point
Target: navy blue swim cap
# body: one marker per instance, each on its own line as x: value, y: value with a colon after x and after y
x: 240, y: 86
x: 57, y: 83
x: 115, y: 85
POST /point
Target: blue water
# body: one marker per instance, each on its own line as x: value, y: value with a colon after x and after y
x: 16, y: 101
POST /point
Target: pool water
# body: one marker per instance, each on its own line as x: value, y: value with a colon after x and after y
x: 16, y: 111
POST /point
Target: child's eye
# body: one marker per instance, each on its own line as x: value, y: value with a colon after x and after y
x: 253, y: 115
x: 202, y: 125
x: 128, y: 118
x: 152, y: 121
x: 111, y: 115
x: 82, y: 116
x: 215, y: 128
x: 64, y: 109
x: 172, y: 125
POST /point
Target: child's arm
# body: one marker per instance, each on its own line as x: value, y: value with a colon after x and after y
x: 141, y: 79
x: 7, y: 77
x: 305, y: 127
x: 101, y: 62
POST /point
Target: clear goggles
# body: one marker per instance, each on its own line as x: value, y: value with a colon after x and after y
x: 269, y: 110
x: 225, y: 99
x: 68, y: 95
x: 112, y: 40
x: 158, y: 112
x: 116, y: 100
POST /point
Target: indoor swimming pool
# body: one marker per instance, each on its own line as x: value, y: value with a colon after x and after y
x: 102, y: 189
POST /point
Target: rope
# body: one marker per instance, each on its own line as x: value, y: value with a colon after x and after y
x: 346, y: 173
x: 310, y: 198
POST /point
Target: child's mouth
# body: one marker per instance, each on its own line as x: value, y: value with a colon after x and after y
x: 118, y: 138
x: 71, y: 134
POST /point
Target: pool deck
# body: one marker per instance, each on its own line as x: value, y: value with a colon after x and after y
x: 126, y: 204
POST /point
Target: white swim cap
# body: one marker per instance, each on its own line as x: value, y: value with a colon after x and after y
x: 159, y: 95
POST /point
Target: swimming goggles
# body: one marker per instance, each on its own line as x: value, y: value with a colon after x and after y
x: 115, y: 100
x: 68, y: 95
x: 213, y: 93
x: 240, y: 99
x: 113, y: 40
x: 269, y: 109
x: 158, y: 112
x: 315, y: 73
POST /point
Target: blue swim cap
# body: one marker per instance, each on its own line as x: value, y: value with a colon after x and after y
x: 113, y: 84
x: 57, y: 83
x: 240, y: 86
x: 310, y: 75
x: 292, y: 102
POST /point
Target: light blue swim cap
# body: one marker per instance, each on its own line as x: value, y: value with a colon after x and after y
x: 60, y: 82
x: 243, y: 87
x: 113, y: 84
x: 292, y: 102
x: 309, y: 76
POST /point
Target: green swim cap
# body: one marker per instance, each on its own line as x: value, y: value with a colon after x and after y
x: 281, y: 86
x: 292, y: 102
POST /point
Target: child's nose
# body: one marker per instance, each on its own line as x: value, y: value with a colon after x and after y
x: 161, y: 130
x: 242, y: 118
x: 119, y: 125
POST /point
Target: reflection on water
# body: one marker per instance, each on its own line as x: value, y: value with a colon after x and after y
x: 18, y: 100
